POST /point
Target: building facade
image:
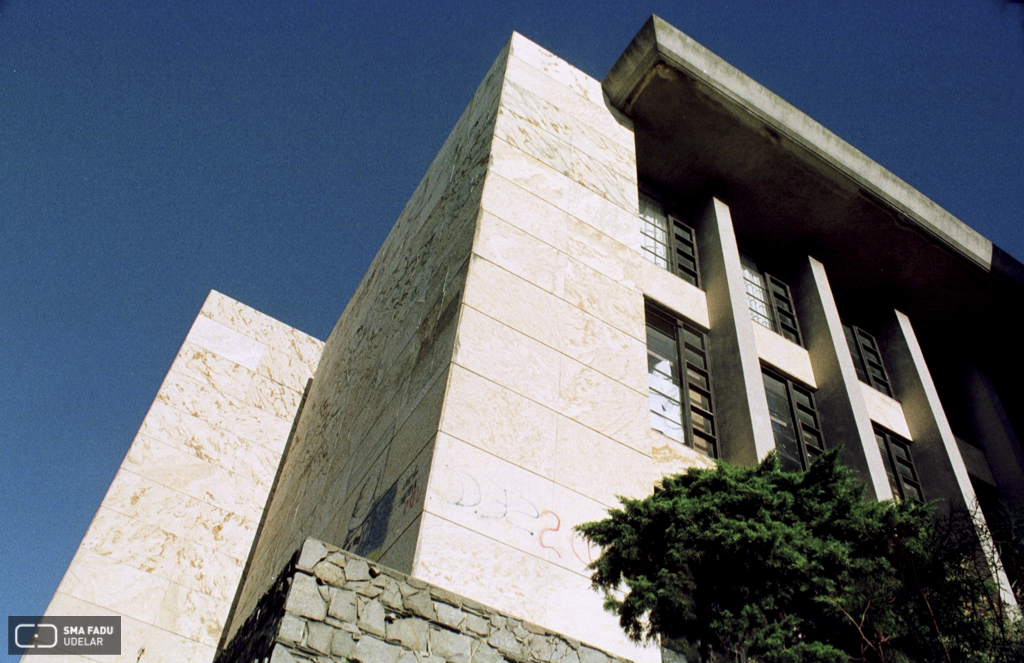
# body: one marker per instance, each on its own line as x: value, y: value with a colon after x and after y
x: 597, y: 284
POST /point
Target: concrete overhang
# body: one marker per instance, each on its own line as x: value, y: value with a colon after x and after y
x: 704, y: 128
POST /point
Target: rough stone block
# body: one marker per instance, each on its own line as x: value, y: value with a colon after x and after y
x: 506, y: 643
x: 281, y: 655
x: 312, y: 552
x: 304, y: 598
x: 292, y: 629
x: 569, y: 656
x: 342, y: 644
x: 330, y: 573
x: 588, y: 655
x: 487, y: 654
x: 410, y: 633
x: 449, y: 616
x: 371, y: 618
x: 541, y: 648
x: 338, y: 559
x: 372, y: 650
x: 420, y: 603
x: 357, y: 569
x: 392, y: 597
x: 343, y: 605
x: 454, y: 647
x: 409, y: 657
x: 319, y: 638
x: 477, y: 624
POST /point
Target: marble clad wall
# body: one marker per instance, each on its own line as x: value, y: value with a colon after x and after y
x: 546, y: 417
x: 168, y: 544
x: 357, y: 469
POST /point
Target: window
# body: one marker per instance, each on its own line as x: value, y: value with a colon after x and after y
x: 794, y: 422
x: 667, y: 241
x: 679, y: 382
x: 866, y: 359
x: 770, y: 301
x: 899, y: 465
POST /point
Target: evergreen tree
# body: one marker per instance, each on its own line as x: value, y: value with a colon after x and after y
x: 794, y: 567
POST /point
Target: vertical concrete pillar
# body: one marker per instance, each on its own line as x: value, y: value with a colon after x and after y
x: 745, y: 428
x: 844, y: 413
x: 936, y: 454
x: 991, y: 430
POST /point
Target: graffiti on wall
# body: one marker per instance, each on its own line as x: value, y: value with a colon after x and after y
x: 527, y: 518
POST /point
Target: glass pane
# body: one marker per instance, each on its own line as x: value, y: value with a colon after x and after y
x: 913, y: 492
x: 695, y: 358
x: 696, y: 378
x: 700, y: 399
x: 702, y: 422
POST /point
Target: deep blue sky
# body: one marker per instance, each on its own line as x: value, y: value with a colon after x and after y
x: 153, y: 150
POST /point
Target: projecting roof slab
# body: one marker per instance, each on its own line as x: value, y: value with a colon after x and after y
x: 660, y: 51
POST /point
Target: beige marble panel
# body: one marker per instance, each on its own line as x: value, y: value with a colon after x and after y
x: 604, y: 348
x: 416, y: 431
x: 621, y: 224
x: 508, y: 357
x: 601, y: 253
x: 489, y: 495
x: 401, y: 555
x: 181, y: 392
x: 520, y: 253
x: 499, y: 421
x: 615, y: 182
x: 525, y: 134
x: 237, y: 502
x: 605, y: 299
x: 140, y: 642
x: 783, y: 354
x: 120, y: 588
x: 674, y: 293
x: 192, y: 614
x: 529, y: 107
x: 273, y: 397
x: 524, y: 210
x: 885, y: 411
x: 226, y: 342
x: 532, y: 589
x: 530, y: 174
x: 285, y: 369
x: 608, y: 407
x: 521, y: 305
x: 193, y: 436
x: 214, y: 370
x: 152, y: 549
x: 138, y: 497
x: 557, y: 69
x: 570, y: 100
x: 262, y: 328
x: 599, y: 467
x: 410, y: 491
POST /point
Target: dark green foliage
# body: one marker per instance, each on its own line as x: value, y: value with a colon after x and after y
x: 797, y: 567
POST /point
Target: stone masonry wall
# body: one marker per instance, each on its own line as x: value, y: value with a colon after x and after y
x: 330, y: 606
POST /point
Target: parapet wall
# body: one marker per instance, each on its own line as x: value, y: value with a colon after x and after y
x: 332, y: 606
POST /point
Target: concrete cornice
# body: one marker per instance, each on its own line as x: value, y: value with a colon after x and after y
x: 658, y: 43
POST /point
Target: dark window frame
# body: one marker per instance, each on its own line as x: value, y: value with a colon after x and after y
x: 690, y: 341
x: 801, y: 416
x: 779, y: 301
x: 867, y: 359
x: 680, y: 244
x: 897, y: 455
